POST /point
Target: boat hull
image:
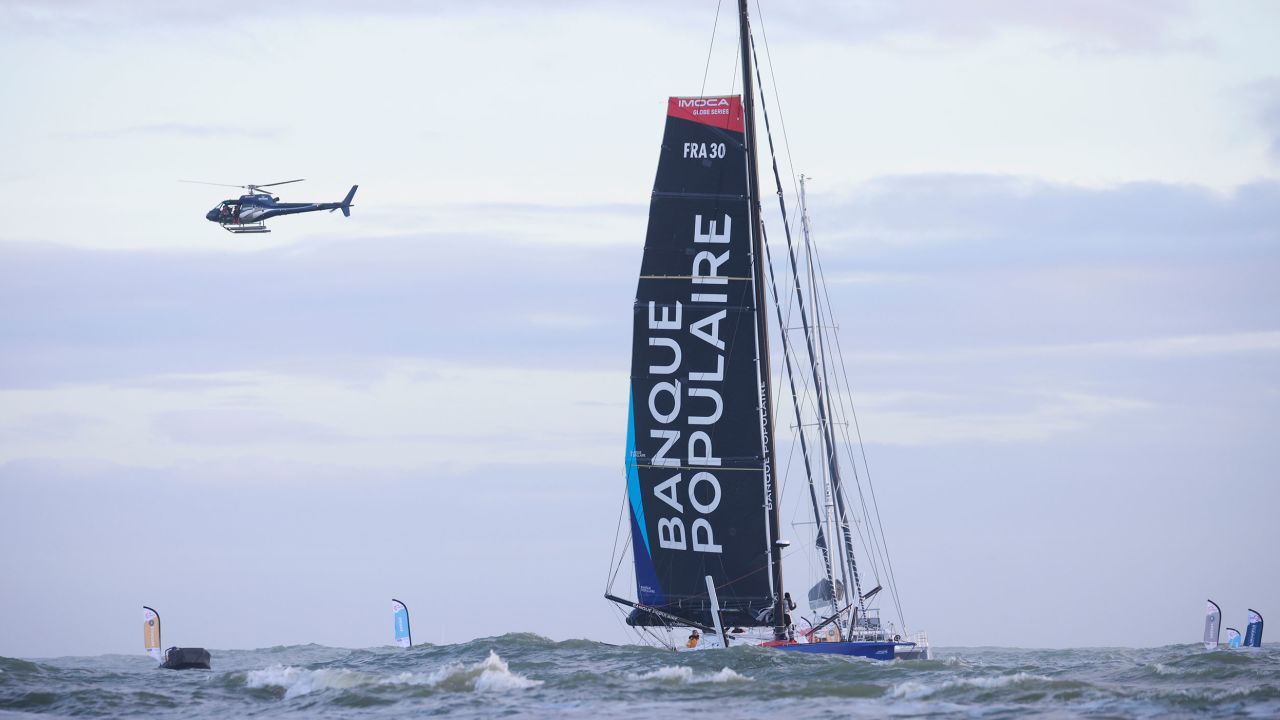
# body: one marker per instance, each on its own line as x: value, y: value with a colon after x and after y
x: 867, y: 649
x: 176, y: 658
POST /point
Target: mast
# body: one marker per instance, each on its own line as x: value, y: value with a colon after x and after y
x: 762, y: 322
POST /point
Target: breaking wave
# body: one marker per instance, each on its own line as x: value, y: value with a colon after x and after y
x: 683, y: 674
x: 537, y: 677
x: 913, y: 690
x: 489, y: 675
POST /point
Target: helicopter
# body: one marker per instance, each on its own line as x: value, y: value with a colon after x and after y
x: 249, y: 213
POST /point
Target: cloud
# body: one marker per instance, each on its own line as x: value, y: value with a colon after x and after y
x: 1267, y: 96
x: 74, y: 315
x: 50, y: 426
x: 1186, y: 346
x: 1088, y: 25
x: 1179, y: 266
x: 1085, y: 25
x: 239, y: 426
x: 188, y: 130
x: 1037, y: 418
x: 1033, y: 218
x: 385, y: 414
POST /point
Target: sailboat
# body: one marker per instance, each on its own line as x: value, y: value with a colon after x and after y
x: 701, y: 463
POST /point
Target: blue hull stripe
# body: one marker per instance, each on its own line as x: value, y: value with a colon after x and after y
x: 874, y: 650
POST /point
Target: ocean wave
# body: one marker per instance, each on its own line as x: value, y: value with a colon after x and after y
x: 14, y: 665
x: 489, y: 675
x: 685, y: 674
x: 301, y: 681
x: 913, y: 690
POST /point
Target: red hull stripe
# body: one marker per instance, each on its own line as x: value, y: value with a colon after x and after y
x: 721, y: 112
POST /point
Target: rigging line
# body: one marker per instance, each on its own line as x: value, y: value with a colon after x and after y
x: 707, y: 69
x: 617, y: 568
x: 804, y: 445
x: 835, y: 410
x: 786, y: 472
x: 893, y: 584
x: 737, y: 55
x: 875, y: 546
x: 878, y: 540
x: 871, y: 543
x: 867, y: 536
x: 749, y: 44
x: 782, y: 120
x: 882, y: 539
x: 616, y: 559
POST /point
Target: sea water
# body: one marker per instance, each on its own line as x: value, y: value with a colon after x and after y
x: 524, y: 675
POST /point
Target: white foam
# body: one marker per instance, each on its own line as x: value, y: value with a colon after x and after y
x: 495, y: 676
x: 300, y: 681
x: 914, y: 690
x: 911, y: 690
x: 683, y: 674
x: 997, y: 681
x: 727, y: 675
x: 667, y: 672
x: 489, y: 675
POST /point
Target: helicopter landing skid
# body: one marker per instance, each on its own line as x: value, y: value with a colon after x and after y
x: 258, y: 227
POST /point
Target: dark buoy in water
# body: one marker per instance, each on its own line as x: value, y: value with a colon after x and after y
x: 176, y: 658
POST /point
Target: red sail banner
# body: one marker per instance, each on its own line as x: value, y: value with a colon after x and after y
x: 721, y: 112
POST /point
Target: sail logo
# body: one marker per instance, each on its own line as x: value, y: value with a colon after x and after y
x: 703, y: 107
x: 768, y: 459
x: 702, y: 102
x: 704, y: 151
x: 694, y: 401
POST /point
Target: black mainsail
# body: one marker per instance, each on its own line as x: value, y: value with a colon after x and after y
x: 699, y: 486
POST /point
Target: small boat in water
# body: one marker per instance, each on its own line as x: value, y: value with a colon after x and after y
x: 174, y: 658
x: 701, y: 463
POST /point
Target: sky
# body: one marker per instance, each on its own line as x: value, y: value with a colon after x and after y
x: 1051, y: 233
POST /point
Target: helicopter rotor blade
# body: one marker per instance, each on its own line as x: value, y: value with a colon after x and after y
x: 282, y: 182
x: 202, y: 182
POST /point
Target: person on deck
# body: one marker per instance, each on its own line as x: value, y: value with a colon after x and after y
x: 694, y: 637
x: 788, y: 605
